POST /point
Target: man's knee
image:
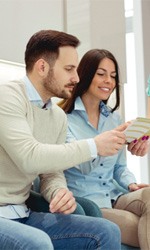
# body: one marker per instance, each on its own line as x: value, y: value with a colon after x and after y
x: 15, y: 235
x: 40, y: 241
x: 112, y: 234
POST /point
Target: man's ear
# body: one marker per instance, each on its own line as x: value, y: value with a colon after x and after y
x: 42, y: 67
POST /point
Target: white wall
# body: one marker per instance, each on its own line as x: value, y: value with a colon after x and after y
x: 78, y: 22
x: 19, y: 19
x: 108, y: 29
x: 108, y: 32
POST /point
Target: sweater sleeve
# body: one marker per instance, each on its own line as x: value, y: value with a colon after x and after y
x: 51, y: 183
x: 21, y: 146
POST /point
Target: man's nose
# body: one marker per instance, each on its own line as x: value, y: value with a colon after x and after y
x: 75, y: 78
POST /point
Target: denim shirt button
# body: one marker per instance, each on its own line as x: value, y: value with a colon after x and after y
x: 100, y: 177
x: 107, y: 194
x: 104, y: 183
x: 101, y: 164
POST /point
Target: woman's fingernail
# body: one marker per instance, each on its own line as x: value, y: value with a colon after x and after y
x: 135, y: 141
x: 143, y: 138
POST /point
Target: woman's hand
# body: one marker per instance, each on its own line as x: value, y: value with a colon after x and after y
x: 139, y: 147
x: 135, y: 186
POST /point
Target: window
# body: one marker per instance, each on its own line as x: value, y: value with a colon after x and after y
x: 130, y: 88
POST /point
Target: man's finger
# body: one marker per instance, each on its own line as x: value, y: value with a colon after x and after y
x: 122, y: 127
x: 54, y: 204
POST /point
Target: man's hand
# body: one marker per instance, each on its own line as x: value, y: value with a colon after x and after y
x: 63, y: 202
x: 110, y: 142
x: 135, y: 186
x: 139, y: 147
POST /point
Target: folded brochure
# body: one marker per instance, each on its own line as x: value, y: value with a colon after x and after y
x: 139, y: 127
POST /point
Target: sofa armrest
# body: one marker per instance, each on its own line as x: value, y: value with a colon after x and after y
x: 90, y: 207
x: 37, y: 203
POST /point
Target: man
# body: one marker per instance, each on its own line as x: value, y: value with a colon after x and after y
x: 32, y: 136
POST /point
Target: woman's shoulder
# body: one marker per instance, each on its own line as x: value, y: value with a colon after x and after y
x: 116, y: 116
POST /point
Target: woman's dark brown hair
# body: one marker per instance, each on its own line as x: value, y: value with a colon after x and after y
x: 86, y: 71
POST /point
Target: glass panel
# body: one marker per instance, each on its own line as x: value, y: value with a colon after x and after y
x: 128, y: 8
x: 130, y: 97
x: 130, y: 88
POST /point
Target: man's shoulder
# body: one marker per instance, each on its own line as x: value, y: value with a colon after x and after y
x: 16, y: 85
x: 12, y: 92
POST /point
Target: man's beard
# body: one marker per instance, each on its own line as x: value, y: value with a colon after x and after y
x: 50, y: 84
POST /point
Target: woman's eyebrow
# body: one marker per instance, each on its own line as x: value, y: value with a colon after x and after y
x: 101, y: 68
x: 106, y: 70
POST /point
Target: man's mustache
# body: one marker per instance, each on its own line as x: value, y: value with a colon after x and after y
x: 70, y: 85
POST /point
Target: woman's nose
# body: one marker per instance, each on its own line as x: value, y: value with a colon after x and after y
x: 107, y: 78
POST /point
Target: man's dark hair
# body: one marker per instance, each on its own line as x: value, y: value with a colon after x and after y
x: 45, y: 44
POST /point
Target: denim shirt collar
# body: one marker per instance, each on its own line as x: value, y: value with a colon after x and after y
x: 33, y: 95
x: 103, y: 108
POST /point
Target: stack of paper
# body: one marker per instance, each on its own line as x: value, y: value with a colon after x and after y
x: 139, y: 127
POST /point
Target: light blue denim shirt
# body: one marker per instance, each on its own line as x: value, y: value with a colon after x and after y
x: 34, y: 96
x: 95, y: 179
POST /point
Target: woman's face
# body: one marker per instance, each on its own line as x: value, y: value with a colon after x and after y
x: 103, y: 82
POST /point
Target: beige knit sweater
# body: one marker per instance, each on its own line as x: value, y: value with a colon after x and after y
x: 32, y: 144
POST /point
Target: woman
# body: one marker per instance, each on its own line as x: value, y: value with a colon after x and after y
x: 88, y: 115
